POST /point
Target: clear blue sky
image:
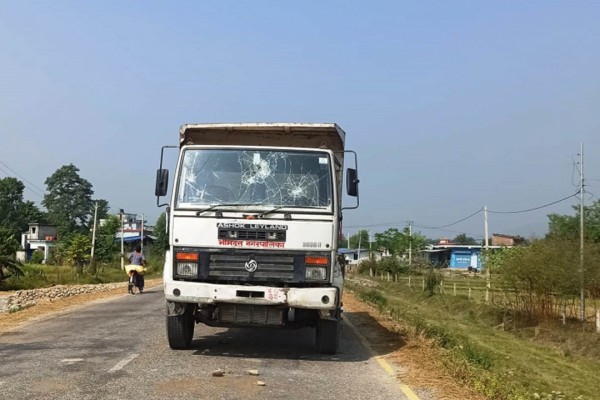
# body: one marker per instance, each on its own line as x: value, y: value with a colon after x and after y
x: 450, y: 105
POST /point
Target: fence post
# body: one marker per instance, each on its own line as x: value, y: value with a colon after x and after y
x: 469, y: 292
x: 371, y: 272
x: 442, y: 287
x: 388, y: 276
x: 563, y: 315
x: 598, y: 321
x: 455, y: 289
x: 423, y: 284
x: 409, y: 281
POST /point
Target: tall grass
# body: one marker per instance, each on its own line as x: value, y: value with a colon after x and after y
x: 38, y: 276
x: 504, y: 365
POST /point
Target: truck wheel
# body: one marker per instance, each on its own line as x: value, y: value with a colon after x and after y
x: 328, y: 335
x: 180, y: 329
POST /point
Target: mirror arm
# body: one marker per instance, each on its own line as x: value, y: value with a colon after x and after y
x: 356, y: 180
x: 162, y: 152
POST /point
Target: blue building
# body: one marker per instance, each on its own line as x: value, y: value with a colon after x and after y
x: 456, y: 256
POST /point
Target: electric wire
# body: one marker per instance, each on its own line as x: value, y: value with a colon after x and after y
x: 26, y: 187
x: 375, y: 225
x: 34, y: 189
x: 535, y: 208
x: 448, y: 225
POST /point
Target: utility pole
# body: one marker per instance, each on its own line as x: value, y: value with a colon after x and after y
x: 94, y: 230
x: 485, y: 226
x: 370, y: 241
x: 359, y: 234
x: 409, y: 242
x: 486, y: 247
x: 92, y: 261
x: 142, y: 235
x: 581, y: 235
x: 121, y: 213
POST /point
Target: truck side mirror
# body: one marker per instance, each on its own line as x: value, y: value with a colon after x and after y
x: 162, y: 182
x: 352, y: 182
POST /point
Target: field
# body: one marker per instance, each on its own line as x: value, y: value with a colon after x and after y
x: 485, y: 348
x: 37, y: 276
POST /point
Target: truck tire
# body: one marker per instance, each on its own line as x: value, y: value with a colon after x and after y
x: 328, y: 335
x: 180, y: 329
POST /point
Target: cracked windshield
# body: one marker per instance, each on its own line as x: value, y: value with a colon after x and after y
x: 262, y: 177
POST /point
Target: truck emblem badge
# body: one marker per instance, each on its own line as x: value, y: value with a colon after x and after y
x: 251, y: 265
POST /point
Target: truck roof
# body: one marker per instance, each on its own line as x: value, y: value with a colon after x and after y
x: 323, y: 135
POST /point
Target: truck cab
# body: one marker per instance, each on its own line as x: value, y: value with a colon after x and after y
x: 254, y: 221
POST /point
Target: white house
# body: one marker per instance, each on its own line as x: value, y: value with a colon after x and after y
x: 40, y: 237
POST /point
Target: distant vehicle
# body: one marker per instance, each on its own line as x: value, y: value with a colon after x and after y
x: 254, y: 222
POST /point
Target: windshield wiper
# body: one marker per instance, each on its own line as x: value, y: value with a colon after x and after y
x: 262, y: 214
x: 216, y: 206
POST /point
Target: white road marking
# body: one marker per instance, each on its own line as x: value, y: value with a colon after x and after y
x: 123, y: 363
x: 254, y: 360
x: 71, y: 360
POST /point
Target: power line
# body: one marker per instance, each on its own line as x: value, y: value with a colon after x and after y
x: 375, y: 225
x: 26, y: 187
x: 535, y: 208
x: 37, y: 190
x: 454, y: 223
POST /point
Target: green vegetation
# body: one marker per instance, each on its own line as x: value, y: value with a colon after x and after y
x: 37, y: 276
x: 71, y: 208
x: 518, y: 336
x: 500, y: 364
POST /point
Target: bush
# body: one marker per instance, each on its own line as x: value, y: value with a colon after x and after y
x: 432, y: 280
x: 37, y: 257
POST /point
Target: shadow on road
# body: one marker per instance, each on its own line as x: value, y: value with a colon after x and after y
x: 297, y: 343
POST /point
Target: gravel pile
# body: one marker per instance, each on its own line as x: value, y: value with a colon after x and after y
x: 26, y: 298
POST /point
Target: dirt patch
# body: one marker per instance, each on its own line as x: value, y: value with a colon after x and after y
x: 415, y: 359
x: 57, y: 306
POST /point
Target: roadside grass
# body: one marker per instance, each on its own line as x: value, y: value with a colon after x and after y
x: 39, y: 276
x: 526, y: 363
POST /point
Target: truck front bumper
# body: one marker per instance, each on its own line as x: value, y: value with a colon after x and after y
x: 323, y: 298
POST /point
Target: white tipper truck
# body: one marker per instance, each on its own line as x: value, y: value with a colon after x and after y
x: 253, y: 223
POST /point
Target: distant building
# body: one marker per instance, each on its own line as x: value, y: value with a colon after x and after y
x: 355, y: 256
x: 455, y: 256
x: 132, y: 230
x: 499, y: 239
x: 40, y: 237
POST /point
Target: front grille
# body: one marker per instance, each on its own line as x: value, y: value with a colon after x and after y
x: 250, y: 314
x: 252, y: 234
x: 269, y: 267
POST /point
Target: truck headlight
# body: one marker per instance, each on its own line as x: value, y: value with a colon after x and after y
x: 316, y: 273
x: 187, y: 269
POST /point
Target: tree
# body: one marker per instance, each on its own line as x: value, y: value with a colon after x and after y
x: 162, y: 239
x: 15, y: 213
x: 389, y: 240
x: 69, y: 200
x: 398, y: 243
x: 78, y: 250
x: 567, y: 226
x: 361, y: 238
x: 464, y: 239
x: 8, y: 250
x: 106, y: 247
x: 103, y: 208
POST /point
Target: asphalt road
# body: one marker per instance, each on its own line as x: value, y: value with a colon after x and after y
x: 117, y: 349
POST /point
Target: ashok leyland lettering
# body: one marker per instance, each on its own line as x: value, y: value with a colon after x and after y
x: 253, y: 223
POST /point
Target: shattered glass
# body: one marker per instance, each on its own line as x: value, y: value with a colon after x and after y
x: 261, y: 177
